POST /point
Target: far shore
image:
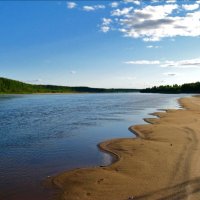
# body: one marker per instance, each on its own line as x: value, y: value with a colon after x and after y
x: 48, y: 93
x: 52, y: 93
x: 163, y: 162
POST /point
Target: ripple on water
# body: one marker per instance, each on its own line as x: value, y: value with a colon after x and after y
x: 41, y: 135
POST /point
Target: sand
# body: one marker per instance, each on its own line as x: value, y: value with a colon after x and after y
x: 163, y: 162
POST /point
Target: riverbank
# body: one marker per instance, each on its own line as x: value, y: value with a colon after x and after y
x: 162, y: 163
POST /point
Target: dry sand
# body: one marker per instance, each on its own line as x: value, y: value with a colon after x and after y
x: 162, y: 163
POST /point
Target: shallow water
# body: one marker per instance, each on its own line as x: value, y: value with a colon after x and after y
x: 41, y: 135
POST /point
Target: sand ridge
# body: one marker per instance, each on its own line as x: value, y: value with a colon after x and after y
x: 163, y: 162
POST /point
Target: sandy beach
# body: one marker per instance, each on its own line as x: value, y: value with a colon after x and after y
x: 163, y: 162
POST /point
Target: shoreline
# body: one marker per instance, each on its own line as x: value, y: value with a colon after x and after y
x: 135, y: 174
x: 64, y: 93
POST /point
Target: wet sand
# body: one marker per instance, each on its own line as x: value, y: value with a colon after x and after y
x: 162, y: 163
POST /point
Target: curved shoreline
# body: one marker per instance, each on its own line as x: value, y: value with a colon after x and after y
x: 136, y: 174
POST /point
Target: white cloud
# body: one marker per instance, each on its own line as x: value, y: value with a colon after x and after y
x: 171, y: 1
x: 190, y: 6
x: 88, y: 8
x: 114, y: 4
x: 137, y: 2
x: 154, y: 22
x: 143, y: 62
x: 106, y: 21
x: 152, y: 47
x: 121, y: 12
x: 93, y: 8
x: 105, y: 24
x: 71, y: 5
x: 190, y: 63
x: 99, y: 6
x: 105, y: 29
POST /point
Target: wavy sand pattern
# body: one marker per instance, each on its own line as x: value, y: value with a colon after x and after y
x: 162, y: 163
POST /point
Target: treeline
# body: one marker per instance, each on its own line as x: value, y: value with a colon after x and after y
x: 8, y: 86
x: 174, y: 89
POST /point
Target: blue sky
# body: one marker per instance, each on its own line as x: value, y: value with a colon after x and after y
x: 111, y: 44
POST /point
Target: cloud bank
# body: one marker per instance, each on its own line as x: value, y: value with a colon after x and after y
x: 158, y: 20
x: 191, y: 63
x: 151, y: 20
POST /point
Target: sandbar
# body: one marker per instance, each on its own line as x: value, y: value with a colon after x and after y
x: 163, y: 162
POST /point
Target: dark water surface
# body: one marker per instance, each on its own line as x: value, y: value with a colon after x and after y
x: 41, y: 135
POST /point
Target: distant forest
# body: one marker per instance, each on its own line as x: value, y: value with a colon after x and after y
x: 8, y: 86
x: 174, y: 89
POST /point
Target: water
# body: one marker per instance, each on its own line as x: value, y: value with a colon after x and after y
x: 42, y: 135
